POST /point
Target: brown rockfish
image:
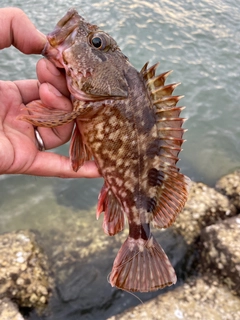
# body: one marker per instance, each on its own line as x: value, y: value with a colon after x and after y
x: 129, y: 123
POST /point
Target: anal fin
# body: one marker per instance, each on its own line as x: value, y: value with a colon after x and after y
x: 142, y: 265
x: 114, y: 218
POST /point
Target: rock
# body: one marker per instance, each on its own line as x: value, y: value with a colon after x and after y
x: 9, y: 310
x: 198, y: 298
x: 229, y: 185
x: 81, y: 258
x: 205, y: 206
x: 81, y: 261
x: 221, y: 252
x: 23, y: 270
x: 83, y: 284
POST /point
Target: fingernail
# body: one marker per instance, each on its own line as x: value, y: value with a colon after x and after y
x: 54, y: 90
x: 51, y: 68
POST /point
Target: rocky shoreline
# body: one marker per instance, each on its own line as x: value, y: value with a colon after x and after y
x: 210, y: 225
x: 205, y: 251
x: 24, y: 274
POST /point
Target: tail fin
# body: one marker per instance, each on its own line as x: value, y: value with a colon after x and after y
x: 142, y: 266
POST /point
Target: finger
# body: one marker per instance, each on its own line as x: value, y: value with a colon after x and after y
x: 16, y: 29
x: 52, y: 98
x: 59, y: 166
x: 28, y: 90
x: 47, y: 72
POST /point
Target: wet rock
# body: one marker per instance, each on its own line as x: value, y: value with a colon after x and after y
x: 221, y: 252
x: 81, y: 256
x: 229, y: 185
x: 23, y: 270
x: 198, y: 298
x: 82, y: 260
x: 205, y: 206
x: 9, y: 310
x: 82, y: 288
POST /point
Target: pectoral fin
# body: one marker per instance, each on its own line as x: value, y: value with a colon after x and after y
x: 42, y: 116
x: 79, y: 152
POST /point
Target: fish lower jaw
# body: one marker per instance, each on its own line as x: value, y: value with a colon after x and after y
x: 78, y: 94
x: 82, y: 96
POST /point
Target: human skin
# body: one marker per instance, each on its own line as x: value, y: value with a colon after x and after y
x: 19, y: 153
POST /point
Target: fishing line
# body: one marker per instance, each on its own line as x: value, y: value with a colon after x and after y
x: 120, y: 265
x: 133, y: 294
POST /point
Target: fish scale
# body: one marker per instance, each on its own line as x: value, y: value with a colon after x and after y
x: 129, y: 122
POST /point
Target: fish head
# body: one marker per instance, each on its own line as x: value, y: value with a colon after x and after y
x: 95, y: 66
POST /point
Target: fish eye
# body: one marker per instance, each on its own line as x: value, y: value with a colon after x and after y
x: 100, y: 41
x: 97, y: 42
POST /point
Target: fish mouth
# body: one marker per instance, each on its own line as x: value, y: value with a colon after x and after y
x: 62, y: 37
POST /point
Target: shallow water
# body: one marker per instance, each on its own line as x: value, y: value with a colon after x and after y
x: 199, y: 40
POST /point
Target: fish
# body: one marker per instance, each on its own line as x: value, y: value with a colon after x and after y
x: 128, y: 121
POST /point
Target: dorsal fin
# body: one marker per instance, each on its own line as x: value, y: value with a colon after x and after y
x: 150, y: 72
x: 172, y: 186
x: 169, y: 123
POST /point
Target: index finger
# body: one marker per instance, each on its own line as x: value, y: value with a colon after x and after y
x: 47, y: 72
x: 50, y: 164
x: 16, y: 29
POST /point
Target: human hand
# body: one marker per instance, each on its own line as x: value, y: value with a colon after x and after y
x: 19, y: 152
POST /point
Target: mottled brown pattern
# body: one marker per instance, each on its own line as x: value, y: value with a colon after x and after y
x: 129, y: 122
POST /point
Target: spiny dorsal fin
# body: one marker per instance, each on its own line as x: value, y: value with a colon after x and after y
x: 144, y: 68
x: 157, y: 81
x: 172, y: 186
x: 160, y: 93
x: 150, y: 72
x: 169, y: 123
